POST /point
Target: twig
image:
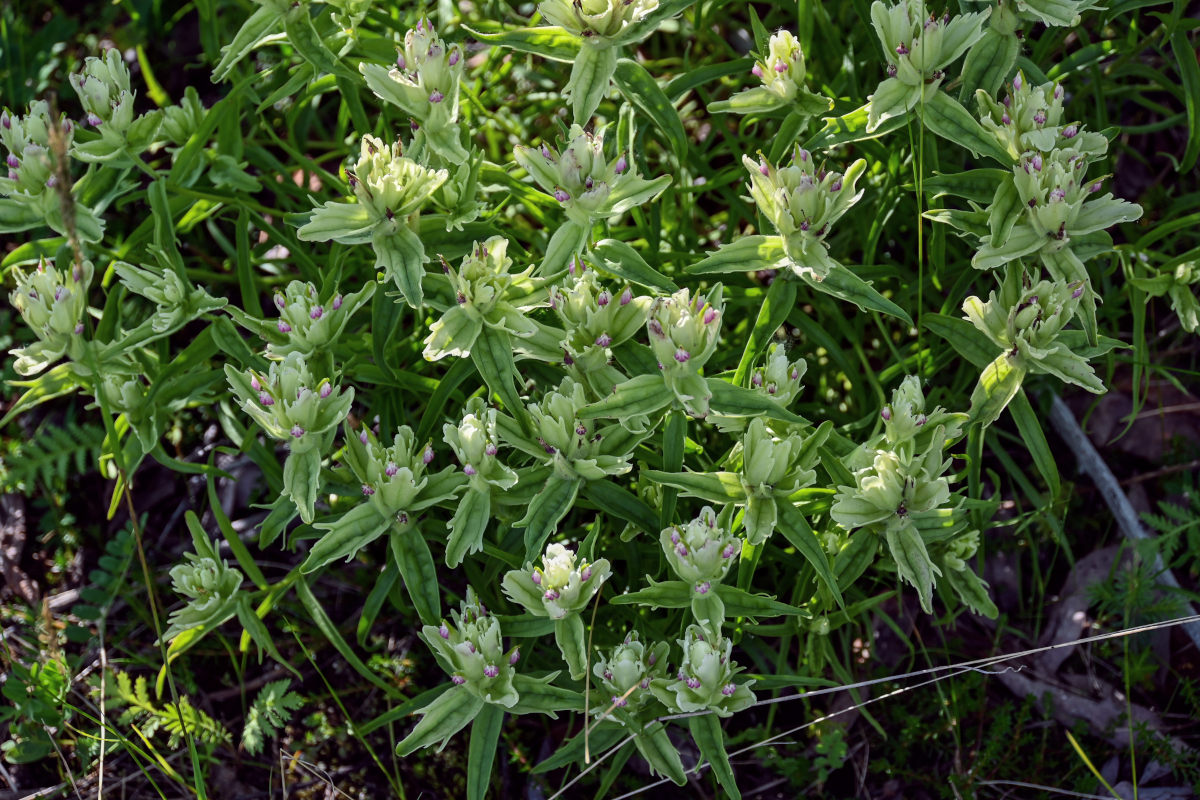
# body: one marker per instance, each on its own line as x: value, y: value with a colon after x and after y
x: 1092, y: 465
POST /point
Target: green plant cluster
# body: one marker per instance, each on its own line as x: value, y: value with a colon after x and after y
x: 485, y: 367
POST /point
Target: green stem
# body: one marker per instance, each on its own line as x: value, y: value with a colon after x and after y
x: 674, y: 437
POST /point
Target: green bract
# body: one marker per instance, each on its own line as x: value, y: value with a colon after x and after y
x: 802, y: 202
x: 625, y: 675
x: 1031, y: 119
x: 211, y: 587
x: 471, y: 650
x: 104, y: 91
x: 391, y: 189
x: 572, y: 446
x: 779, y: 380
x: 307, y: 323
x: 683, y: 332
x: 53, y: 303
x: 918, y: 46
x: 487, y: 295
x: 425, y: 84
x: 560, y: 586
x: 595, y: 321
x: 781, y: 71
x: 704, y: 681
x: 702, y: 551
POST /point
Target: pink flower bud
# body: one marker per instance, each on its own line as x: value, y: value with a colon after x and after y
x: 1017, y: 82
x: 391, y: 469
x: 254, y: 384
x: 1070, y: 132
x: 764, y: 169
x: 454, y: 57
x: 1037, y: 161
x: 702, y: 588
x: 756, y: 71
x: 626, y: 296
x: 284, y: 327
x: 491, y: 671
x: 400, y: 62
x: 603, y: 299
x: 693, y: 683
x: 536, y: 577
x: 587, y: 573
x: 13, y: 161
x: 781, y: 67
x: 621, y: 165
x: 457, y: 680
x: 1005, y: 119
x: 93, y: 120
x: 655, y: 327
x: 490, y: 450
x: 1078, y: 293
x: 436, y: 97
x: 603, y: 340
x: 891, y: 70
x: 682, y: 355
x: 619, y: 702
x: 297, y: 431
x: 550, y: 595
x: 729, y: 550
x: 728, y: 689
x: 326, y: 390
x: 362, y: 437
x: 514, y: 658
x: 368, y: 490
x: 901, y: 50
x: 1039, y: 118
x: 468, y: 470
x: 681, y: 549
x: 444, y: 632
x: 280, y: 302
x: 316, y: 313
x: 266, y: 399
x: 561, y: 196
x: 886, y: 414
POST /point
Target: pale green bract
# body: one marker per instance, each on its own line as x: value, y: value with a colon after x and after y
x: 471, y: 650
x: 625, y: 675
x: 781, y: 71
x: 705, y: 681
x: 52, y: 302
x: 684, y: 331
x: 562, y: 585
x: 701, y: 551
x: 211, y: 587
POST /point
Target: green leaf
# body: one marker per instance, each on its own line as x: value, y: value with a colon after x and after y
x: 571, y: 639
x: 643, y: 394
x: 738, y: 401
x: 1189, y: 73
x: 590, y: 74
x: 988, y: 63
x: 345, y: 536
x: 740, y: 603
x: 715, y: 487
x: 1000, y: 381
x: 946, y: 117
x: 799, y: 533
x: 468, y: 526
x: 619, y: 259
x: 972, y: 184
x: 538, y: 696
x: 301, y: 34
x: 710, y: 738
x: 845, y: 285
x: 640, y: 88
x: 412, y: 556
x: 777, y: 304
x: 564, y: 245
x: 481, y: 753
x: 747, y: 254
x: 302, y: 479
x: 664, y: 594
x: 912, y: 560
x: 965, y: 338
x: 441, y: 719
x: 259, y: 634
x: 546, y: 511
x: 58, y: 381
x: 973, y: 591
x: 401, y: 256
x: 660, y: 753
x: 1030, y: 428
x: 620, y: 502
x: 493, y: 357
x: 546, y: 41
x: 262, y: 22
x: 325, y: 625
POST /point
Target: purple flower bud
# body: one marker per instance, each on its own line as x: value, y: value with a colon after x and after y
x: 1058, y: 91
x: 756, y: 71
x: 427, y: 456
x: 471, y: 646
x: 1017, y: 82
x: 93, y: 120
x: 13, y: 161
x: 254, y: 384
x: 680, y: 674
x: 413, y: 126
x: 1078, y: 293
x: 550, y: 595
x: 1005, y: 119
x: 580, y: 430
x: 545, y: 152
x: 284, y: 327
x: 645, y: 684
x: 619, y: 702
x: 297, y: 431
x: 891, y: 70
x: 457, y: 680
x: 468, y: 470
x: 655, y: 327
x: 921, y: 420
x: 756, y: 379
x: 836, y: 186
x: 561, y: 196
x: 1095, y: 187
x: 6, y: 120
x: 682, y: 550
x: 901, y: 50
x: 280, y: 302
x: 728, y: 551
x: 626, y: 296
x: 621, y: 165
x: 587, y: 573
x: 266, y: 399
x: 653, y: 658
x: 454, y: 57
x: 362, y: 437
x: 367, y: 491
x: 514, y: 658
x: 765, y: 169
x: 491, y: 671
x: 536, y: 577
x: 702, y: 588
x: 52, y: 181
x: 1039, y: 118
x: 444, y: 632
x: 728, y: 689
x: 675, y: 536
x: 603, y: 340
x: 772, y: 389
x: 682, y: 355
x: 804, y: 225
x: 693, y: 683
x: 326, y: 390
x: 781, y: 67
x: 391, y: 469
x: 589, y: 183
x: 58, y: 293
x: 886, y: 414
x: 316, y: 313
x: 436, y: 97
x: 1037, y: 161
x: 490, y: 450
x: 1057, y: 195
x: 337, y: 302
x: 795, y: 374
x: 603, y: 299
x: 400, y: 62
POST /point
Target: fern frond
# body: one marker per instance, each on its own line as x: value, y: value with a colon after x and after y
x: 186, y: 719
x: 51, y: 455
x: 271, y: 710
